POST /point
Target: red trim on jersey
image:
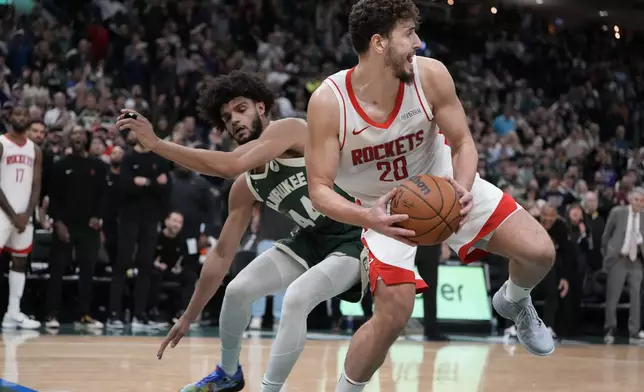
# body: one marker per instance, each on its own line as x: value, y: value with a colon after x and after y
x: 430, y: 119
x: 344, y: 108
x: 503, y: 210
x: 16, y: 142
x: 365, y: 117
x: 25, y: 251
x: 390, y: 274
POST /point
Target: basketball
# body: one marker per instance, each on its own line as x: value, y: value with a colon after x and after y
x: 432, y: 206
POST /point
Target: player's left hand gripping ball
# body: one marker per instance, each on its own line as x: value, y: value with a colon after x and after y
x: 129, y: 119
x: 465, y: 199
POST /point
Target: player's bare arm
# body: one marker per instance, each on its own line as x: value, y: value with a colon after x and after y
x: 218, y: 261
x: 450, y: 117
x: 322, y: 156
x: 4, y: 203
x: 36, y: 184
x: 276, y: 139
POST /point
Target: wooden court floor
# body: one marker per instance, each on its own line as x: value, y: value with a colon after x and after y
x: 128, y: 363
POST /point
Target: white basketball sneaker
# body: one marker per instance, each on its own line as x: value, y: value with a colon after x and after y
x: 19, y: 320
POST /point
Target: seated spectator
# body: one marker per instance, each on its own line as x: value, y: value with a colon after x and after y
x: 168, y: 266
x: 505, y: 123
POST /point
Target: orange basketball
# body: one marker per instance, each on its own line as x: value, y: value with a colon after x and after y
x: 432, y: 206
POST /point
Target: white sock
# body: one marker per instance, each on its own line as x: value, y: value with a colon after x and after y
x: 514, y: 293
x: 16, y: 288
x: 230, y: 360
x: 345, y: 384
x: 268, y: 386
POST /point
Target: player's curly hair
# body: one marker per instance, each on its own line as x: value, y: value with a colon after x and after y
x: 219, y: 91
x: 369, y: 17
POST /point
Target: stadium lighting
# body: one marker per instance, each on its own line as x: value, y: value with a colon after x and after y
x: 617, y: 36
x: 616, y: 28
x: 603, y: 13
x: 494, y: 10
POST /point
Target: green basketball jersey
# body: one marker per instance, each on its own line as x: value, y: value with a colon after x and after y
x: 283, y: 187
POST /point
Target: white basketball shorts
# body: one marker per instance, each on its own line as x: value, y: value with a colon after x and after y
x: 18, y: 244
x: 393, y: 261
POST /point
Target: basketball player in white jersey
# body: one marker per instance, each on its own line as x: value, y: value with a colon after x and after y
x: 20, y: 172
x: 372, y: 127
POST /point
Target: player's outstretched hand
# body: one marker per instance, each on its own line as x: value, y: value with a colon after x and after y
x: 380, y: 220
x: 129, y: 119
x: 177, y: 332
x: 464, y: 198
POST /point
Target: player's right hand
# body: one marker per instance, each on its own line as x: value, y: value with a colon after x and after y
x: 141, y: 181
x: 142, y: 128
x: 380, y: 220
x: 177, y: 332
x: 61, y: 231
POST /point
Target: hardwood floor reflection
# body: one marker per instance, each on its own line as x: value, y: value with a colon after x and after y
x: 122, y: 363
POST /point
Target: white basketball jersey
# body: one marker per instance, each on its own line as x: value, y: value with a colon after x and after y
x: 17, y: 172
x: 376, y: 157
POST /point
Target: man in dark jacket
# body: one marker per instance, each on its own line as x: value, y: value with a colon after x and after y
x: 554, y: 287
x: 145, y: 185
x: 77, y: 195
x: 195, y: 200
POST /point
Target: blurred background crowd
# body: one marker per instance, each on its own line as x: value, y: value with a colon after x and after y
x: 556, y: 111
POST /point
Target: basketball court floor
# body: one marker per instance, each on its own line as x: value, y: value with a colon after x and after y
x: 34, y: 361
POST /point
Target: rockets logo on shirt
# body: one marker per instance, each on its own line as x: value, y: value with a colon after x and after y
x: 20, y: 160
x: 391, y: 149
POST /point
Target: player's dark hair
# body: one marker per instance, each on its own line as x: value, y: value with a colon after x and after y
x: 217, y: 92
x: 174, y: 212
x: 370, y: 17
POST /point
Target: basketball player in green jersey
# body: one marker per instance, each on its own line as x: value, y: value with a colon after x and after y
x: 318, y: 261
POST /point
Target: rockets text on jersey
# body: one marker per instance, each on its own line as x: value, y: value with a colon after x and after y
x: 375, y: 157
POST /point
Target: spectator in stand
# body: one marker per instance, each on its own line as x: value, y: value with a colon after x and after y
x: 59, y: 115
x: 195, y: 200
x: 114, y: 193
x: 169, y: 265
x: 505, y: 123
x: 596, y: 224
x: 581, y: 238
x: 77, y: 197
x: 559, y: 194
x: 623, y: 247
x: 555, y: 285
x: 145, y: 184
